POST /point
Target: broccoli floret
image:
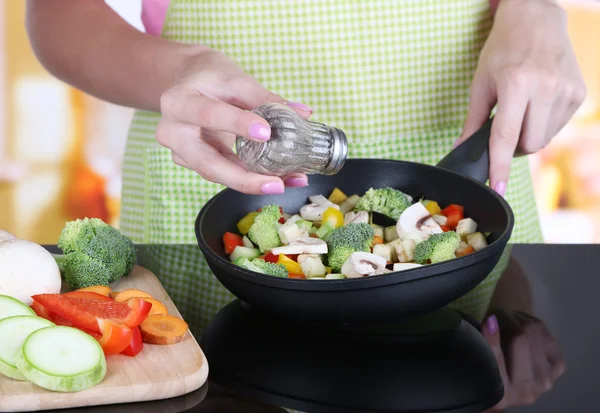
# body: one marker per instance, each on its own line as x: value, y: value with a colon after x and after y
x: 269, y: 268
x: 94, y: 253
x: 264, y: 231
x: 387, y: 201
x: 345, y: 240
x: 437, y: 248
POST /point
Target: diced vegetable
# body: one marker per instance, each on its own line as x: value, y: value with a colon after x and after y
x: 377, y: 240
x: 432, y: 207
x: 231, y: 240
x: 378, y: 230
x: 337, y: 196
x: 62, y: 359
x: 440, y: 219
x: 99, y: 289
x: 304, y: 224
x: 245, y: 223
x: 453, y: 213
x: 10, y: 306
x: 125, y: 295
x: 325, y: 229
x: 312, y: 266
x: 404, y: 266
x: 13, y: 332
x: 405, y: 251
x: 246, y: 242
x: 291, y: 265
x: 163, y: 329
x: 465, y: 251
x: 462, y: 245
x: 384, y: 251
x: 246, y: 252
x: 477, y: 241
x: 290, y: 231
x: 297, y: 276
x: 445, y: 228
x: 136, y: 345
x: 390, y: 234
x: 294, y: 218
x: 453, y: 208
x: 349, y: 203
x: 466, y: 226
x: 334, y: 277
x: 334, y: 217
x: 270, y: 257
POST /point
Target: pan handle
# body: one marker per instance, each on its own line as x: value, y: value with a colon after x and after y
x: 472, y: 157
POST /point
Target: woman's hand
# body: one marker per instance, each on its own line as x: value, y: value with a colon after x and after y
x: 528, y: 357
x: 528, y: 68
x: 205, y: 109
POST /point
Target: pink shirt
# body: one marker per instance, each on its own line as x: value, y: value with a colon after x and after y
x: 155, y: 11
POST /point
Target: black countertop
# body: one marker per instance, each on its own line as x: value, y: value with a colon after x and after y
x: 565, y: 282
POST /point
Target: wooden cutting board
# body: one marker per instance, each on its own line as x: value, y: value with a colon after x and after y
x: 157, y: 372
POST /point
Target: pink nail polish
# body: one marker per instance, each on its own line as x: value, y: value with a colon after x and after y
x: 492, y: 324
x: 500, y: 188
x: 259, y: 131
x: 296, y: 182
x: 271, y: 188
x: 297, y: 105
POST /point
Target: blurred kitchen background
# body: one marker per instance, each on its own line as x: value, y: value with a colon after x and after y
x: 61, y: 150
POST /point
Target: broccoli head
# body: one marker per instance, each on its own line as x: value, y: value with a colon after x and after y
x: 264, y: 231
x: 270, y: 268
x: 345, y: 240
x: 94, y: 253
x: 262, y: 266
x: 437, y: 248
x: 387, y: 201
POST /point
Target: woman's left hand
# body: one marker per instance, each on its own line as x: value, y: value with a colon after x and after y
x: 528, y: 68
x: 528, y: 356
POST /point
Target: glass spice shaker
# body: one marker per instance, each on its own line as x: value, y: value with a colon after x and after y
x: 296, y: 145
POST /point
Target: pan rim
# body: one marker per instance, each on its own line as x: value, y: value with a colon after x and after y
x: 413, y: 274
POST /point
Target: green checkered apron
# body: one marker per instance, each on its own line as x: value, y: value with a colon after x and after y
x: 394, y: 75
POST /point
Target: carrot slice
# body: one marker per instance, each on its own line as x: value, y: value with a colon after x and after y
x: 163, y: 329
x: 157, y: 306
x: 466, y: 251
x: 98, y: 289
x: 125, y: 295
x: 377, y: 240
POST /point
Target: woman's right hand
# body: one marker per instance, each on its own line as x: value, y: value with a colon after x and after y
x: 203, y: 111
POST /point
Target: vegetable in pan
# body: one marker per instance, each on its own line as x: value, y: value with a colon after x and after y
x: 337, y: 237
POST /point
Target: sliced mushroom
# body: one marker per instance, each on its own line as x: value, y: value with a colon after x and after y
x: 303, y: 245
x: 314, y: 211
x: 356, y: 217
x: 417, y: 219
x: 360, y: 264
x: 321, y: 200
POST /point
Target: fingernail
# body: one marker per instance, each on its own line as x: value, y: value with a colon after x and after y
x: 296, y: 182
x: 492, y: 324
x: 272, y: 188
x: 259, y: 131
x: 297, y: 105
x: 500, y: 188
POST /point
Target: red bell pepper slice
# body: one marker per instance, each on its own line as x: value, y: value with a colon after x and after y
x: 453, y: 208
x: 115, y: 338
x: 230, y: 241
x: 269, y: 257
x: 136, y: 345
x: 88, y: 295
x: 453, y: 219
x: 43, y: 312
x: 84, y: 313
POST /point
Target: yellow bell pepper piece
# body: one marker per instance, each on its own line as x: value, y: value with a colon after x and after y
x: 327, y: 270
x: 337, y: 196
x: 245, y: 223
x: 334, y: 217
x: 433, y: 208
x: 291, y: 265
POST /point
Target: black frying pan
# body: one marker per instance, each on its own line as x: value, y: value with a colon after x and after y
x: 459, y: 178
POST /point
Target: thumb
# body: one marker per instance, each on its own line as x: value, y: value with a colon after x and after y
x: 491, y: 332
x: 482, y: 98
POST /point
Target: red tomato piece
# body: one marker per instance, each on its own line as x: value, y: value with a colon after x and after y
x: 230, y: 241
x: 115, y: 338
x: 453, y: 208
x: 84, y: 313
x: 453, y: 219
x: 136, y: 345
